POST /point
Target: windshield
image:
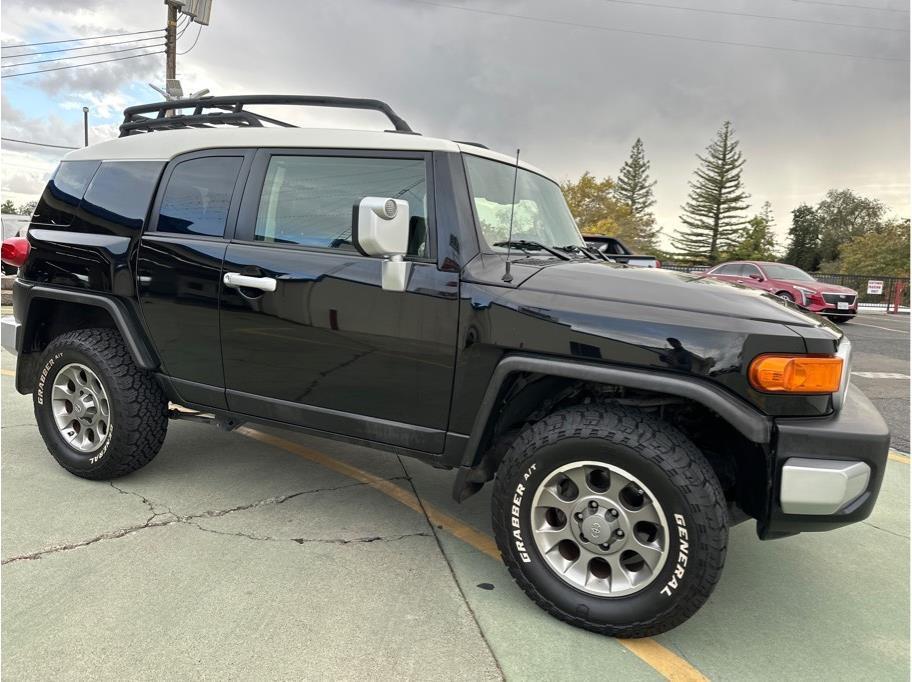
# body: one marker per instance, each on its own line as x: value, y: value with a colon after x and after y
x: 789, y: 272
x: 540, y: 213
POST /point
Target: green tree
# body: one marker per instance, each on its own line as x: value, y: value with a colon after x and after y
x: 883, y: 250
x: 758, y: 239
x: 634, y: 186
x: 843, y: 215
x: 28, y: 208
x: 804, y: 239
x: 7, y: 207
x: 597, y: 210
x: 633, y: 190
x: 713, y: 213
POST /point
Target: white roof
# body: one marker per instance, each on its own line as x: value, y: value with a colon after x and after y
x: 166, y: 144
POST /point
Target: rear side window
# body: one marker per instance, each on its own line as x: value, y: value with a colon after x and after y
x: 63, y: 192
x: 308, y: 200
x: 118, y: 198
x: 198, y: 196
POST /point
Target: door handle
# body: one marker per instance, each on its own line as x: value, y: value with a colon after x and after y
x: 236, y: 280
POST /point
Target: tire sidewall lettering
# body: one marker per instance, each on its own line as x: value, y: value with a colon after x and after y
x: 515, y: 516
x: 680, y: 562
x: 42, y: 378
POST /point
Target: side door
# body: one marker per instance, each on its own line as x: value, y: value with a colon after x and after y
x: 320, y: 344
x: 179, y: 267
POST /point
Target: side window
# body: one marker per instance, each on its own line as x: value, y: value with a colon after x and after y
x: 119, y: 196
x: 308, y: 200
x: 63, y: 192
x: 198, y: 196
x: 740, y: 270
x: 724, y: 270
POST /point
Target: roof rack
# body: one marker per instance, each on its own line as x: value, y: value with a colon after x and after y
x: 230, y: 111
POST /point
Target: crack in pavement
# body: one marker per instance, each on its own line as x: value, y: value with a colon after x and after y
x: 302, y: 541
x: 885, y: 530
x: 170, y: 518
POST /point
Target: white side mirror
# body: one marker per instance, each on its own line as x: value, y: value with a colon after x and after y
x: 381, y: 229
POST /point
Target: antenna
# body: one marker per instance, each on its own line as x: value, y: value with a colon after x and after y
x: 507, y: 277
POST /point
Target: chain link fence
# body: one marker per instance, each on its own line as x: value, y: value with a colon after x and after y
x: 874, y: 291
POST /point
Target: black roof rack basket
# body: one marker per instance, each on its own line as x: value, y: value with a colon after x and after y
x: 230, y: 111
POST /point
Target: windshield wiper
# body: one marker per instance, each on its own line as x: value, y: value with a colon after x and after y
x: 574, y: 248
x: 528, y: 244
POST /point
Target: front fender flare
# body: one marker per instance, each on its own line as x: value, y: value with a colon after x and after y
x: 751, y: 423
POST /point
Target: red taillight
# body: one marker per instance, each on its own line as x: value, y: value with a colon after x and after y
x: 15, y: 251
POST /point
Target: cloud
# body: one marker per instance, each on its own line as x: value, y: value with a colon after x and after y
x: 572, y: 98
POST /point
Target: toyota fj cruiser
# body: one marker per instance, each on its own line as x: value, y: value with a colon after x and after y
x: 435, y: 299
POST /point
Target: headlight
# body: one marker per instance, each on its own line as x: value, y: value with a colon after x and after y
x: 806, y: 293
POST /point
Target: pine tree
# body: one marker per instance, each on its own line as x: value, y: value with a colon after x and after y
x: 713, y: 212
x: 634, y: 186
x: 633, y: 191
x: 804, y: 239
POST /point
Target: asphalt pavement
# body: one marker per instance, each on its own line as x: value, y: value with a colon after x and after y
x: 266, y: 554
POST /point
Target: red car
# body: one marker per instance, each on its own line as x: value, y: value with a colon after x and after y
x: 792, y: 284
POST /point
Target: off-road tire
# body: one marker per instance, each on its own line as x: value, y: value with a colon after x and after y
x: 139, y: 416
x: 662, y: 458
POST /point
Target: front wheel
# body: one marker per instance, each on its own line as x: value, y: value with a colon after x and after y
x: 99, y: 414
x: 611, y: 520
x: 841, y: 319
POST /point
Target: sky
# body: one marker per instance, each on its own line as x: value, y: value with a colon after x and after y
x: 571, y: 83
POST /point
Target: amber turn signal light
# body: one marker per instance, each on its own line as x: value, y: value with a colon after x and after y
x: 796, y: 373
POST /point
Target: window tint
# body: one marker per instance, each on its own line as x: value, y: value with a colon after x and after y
x: 308, y: 200
x: 63, y: 192
x: 199, y: 195
x: 120, y: 193
x: 724, y: 270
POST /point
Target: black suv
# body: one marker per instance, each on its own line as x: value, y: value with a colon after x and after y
x: 434, y: 299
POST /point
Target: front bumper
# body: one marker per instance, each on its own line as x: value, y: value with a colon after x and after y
x: 827, y: 471
x: 833, y: 309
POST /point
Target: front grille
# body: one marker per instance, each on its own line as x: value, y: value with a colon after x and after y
x: 833, y: 299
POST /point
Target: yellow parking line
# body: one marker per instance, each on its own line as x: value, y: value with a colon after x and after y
x: 664, y: 661
x: 7, y: 372
x: 898, y: 456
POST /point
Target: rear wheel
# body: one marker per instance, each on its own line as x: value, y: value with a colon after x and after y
x: 611, y: 520
x: 99, y: 414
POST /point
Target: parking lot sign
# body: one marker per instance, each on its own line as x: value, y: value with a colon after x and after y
x: 875, y: 286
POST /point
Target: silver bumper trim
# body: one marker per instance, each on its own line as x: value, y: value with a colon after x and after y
x: 9, y: 332
x: 821, y: 486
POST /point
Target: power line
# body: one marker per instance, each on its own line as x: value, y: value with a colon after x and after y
x: 846, y: 4
x: 76, y: 66
x: 651, y: 34
x: 755, y: 16
x: 80, y: 56
x: 37, y: 144
x: 79, y: 40
x: 84, y: 47
x: 200, y: 30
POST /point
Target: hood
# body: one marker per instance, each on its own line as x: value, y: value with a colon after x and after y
x: 821, y: 287
x: 660, y: 288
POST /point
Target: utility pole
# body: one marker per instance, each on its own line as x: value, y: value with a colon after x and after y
x: 171, y: 42
x: 85, y: 124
